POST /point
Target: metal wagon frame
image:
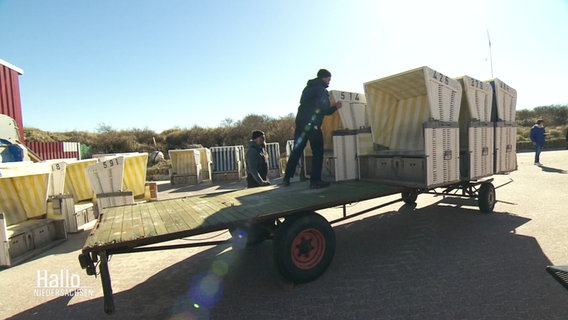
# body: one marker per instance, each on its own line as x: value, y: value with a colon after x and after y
x: 303, y: 240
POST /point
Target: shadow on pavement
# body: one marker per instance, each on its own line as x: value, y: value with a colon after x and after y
x: 438, y: 262
x: 552, y: 170
x: 206, y: 186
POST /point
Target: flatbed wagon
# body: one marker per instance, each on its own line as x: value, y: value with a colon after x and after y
x: 303, y: 240
x: 423, y: 138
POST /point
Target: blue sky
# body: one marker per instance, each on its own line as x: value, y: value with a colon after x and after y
x: 179, y: 63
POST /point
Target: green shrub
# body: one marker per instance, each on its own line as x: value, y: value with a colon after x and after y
x: 108, y: 140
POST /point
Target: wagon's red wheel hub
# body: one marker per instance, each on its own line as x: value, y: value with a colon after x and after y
x: 308, y: 248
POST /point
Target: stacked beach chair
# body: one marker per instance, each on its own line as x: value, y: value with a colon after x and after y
x: 414, y: 123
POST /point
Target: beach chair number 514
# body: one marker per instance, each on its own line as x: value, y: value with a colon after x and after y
x: 349, y: 96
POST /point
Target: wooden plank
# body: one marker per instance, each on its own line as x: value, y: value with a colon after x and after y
x: 164, y: 220
x: 254, y: 201
x: 255, y: 204
x: 202, y: 207
x: 116, y: 231
x: 148, y: 221
x: 176, y: 218
x: 213, y: 205
x: 176, y: 211
x: 315, y: 199
x: 103, y: 232
x: 126, y: 230
x: 198, y: 210
x: 157, y: 220
x: 223, y: 210
x: 121, y: 214
x: 170, y: 223
x: 137, y: 223
x: 187, y: 216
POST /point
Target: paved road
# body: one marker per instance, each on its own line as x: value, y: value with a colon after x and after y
x: 441, y: 259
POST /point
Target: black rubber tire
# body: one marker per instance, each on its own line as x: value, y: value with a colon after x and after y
x: 304, y: 246
x: 486, y: 198
x: 251, y: 234
x: 409, y: 196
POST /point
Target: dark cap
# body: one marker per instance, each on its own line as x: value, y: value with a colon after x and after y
x: 256, y: 134
x: 539, y: 121
x: 323, y: 73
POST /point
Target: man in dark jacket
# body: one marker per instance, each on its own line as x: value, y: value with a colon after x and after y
x: 256, y: 161
x: 314, y: 105
x: 538, y: 137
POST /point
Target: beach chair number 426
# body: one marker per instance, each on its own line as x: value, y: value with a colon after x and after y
x: 440, y: 77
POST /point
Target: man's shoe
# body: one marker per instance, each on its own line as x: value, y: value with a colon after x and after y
x: 286, y: 182
x: 319, y: 184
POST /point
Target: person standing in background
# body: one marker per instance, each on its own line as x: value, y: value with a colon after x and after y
x: 538, y: 135
x: 256, y: 161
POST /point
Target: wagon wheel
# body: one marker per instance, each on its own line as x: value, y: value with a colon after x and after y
x: 304, y: 247
x: 409, y: 196
x: 486, y: 197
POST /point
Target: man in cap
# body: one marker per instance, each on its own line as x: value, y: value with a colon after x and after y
x: 256, y: 161
x: 314, y: 105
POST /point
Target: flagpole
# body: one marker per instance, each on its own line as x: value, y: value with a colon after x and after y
x: 490, y: 54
